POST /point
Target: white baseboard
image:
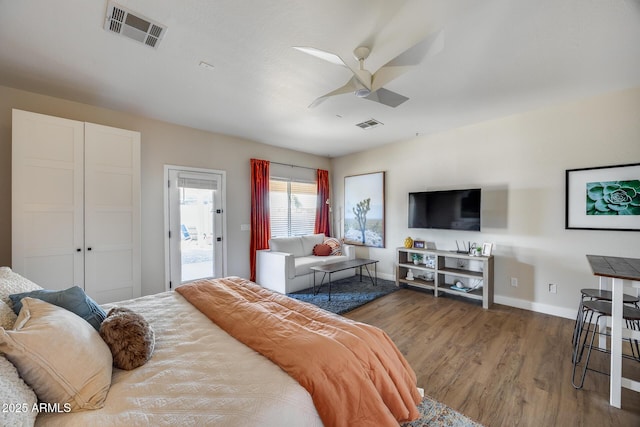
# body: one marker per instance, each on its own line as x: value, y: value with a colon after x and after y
x: 386, y: 276
x: 537, y: 307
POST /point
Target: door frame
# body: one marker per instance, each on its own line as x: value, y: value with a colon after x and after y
x: 223, y: 196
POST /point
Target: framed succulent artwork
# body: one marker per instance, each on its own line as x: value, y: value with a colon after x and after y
x: 603, y: 198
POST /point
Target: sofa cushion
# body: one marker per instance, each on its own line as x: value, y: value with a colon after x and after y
x: 304, y: 264
x: 309, y: 241
x: 334, y: 258
x: 335, y: 245
x: 288, y: 245
x: 322, y: 250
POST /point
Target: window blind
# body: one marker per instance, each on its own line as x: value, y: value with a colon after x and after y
x: 292, y: 207
x: 186, y: 180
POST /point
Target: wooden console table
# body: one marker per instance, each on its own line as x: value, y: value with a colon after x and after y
x: 622, y: 272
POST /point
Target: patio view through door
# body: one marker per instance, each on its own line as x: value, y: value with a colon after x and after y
x: 196, y: 224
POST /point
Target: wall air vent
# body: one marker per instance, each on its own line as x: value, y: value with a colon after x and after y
x: 368, y: 124
x: 122, y: 21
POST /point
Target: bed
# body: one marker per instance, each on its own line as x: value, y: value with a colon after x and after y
x: 200, y: 375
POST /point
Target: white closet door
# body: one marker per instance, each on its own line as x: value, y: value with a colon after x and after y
x: 112, y: 213
x: 47, y: 199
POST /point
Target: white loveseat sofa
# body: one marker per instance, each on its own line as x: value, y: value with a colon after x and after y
x: 286, y: 266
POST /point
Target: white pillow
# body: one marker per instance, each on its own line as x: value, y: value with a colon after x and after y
x: 59, y: 355
x: 13, y: 283
x: 16, y: 397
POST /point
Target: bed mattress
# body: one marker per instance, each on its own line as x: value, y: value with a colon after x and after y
x: 198, y: 375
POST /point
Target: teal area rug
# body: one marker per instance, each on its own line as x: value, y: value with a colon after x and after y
x: 346, y: 294
x: 436, y: 414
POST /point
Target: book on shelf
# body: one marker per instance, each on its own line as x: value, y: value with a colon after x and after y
x: 461, y: 288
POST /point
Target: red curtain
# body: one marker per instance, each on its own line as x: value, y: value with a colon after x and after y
x: 322, y: 207
x: 260, y: 224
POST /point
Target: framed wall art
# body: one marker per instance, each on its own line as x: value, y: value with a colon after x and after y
x: 603, y: 198
x: 364, y: 209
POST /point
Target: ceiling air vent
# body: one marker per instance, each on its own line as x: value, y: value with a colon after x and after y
x: 368, y: 124
x: 132, y: 25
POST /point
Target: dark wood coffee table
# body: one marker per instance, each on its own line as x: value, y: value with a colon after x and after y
x: 343, y: 265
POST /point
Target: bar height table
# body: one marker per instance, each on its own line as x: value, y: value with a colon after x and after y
x: 622, y: 272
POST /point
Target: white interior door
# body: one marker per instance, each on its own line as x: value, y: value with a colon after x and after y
x: 112, y: 213
x: 195, y: 220
x: 47, y: 199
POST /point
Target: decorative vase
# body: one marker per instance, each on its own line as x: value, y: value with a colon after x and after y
x: 408, y: 242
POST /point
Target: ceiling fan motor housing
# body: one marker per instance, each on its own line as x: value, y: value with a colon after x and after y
x: 362, y: 93
x: 361, y: 53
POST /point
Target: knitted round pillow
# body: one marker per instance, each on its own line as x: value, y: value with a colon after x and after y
x: 129, y: 337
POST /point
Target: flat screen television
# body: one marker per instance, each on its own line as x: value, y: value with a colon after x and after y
x: 449, y: 210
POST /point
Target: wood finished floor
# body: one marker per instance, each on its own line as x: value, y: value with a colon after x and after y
x: 501, y: 367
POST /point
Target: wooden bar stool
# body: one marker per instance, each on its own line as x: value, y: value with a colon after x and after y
x: 599, y: 308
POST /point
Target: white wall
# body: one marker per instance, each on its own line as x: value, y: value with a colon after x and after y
x: 162, y: 143
x: 519, y: 162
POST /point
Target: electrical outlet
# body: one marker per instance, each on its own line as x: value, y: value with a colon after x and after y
x: 553, y: 288
x: 514, y: 282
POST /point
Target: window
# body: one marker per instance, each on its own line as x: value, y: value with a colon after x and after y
x: 292, y: 207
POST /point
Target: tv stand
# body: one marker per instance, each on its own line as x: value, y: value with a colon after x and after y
x: 444, y: 269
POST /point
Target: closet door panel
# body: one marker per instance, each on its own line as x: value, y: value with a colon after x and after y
x: 47, y: 199
x: 112, y: 213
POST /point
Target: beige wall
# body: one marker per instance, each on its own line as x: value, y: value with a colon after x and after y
x: 520, y: 162
x: 162, y: 143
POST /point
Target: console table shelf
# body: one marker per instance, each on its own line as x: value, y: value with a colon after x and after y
x: 440, y: 270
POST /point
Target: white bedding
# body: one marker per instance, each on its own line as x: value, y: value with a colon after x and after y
x: 198, y: 375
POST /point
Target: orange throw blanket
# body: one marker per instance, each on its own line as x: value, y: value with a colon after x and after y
x: 353, y: 371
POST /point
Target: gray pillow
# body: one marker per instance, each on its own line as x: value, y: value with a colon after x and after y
x: 73, y: 299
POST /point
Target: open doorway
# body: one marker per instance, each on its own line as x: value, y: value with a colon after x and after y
x: 195, y: 221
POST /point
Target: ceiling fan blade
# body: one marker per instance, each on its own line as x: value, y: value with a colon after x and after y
x: 430, y: 46
x: 361, y: 76
x: 349, y: 87
x: 327, y: 56
x: 387, y: 97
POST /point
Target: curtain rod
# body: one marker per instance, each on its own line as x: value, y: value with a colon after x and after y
x: 294, y: 166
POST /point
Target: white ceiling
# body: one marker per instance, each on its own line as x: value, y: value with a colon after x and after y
x: 500, y: 57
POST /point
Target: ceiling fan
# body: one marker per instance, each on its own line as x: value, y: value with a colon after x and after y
x: 370, y: 86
